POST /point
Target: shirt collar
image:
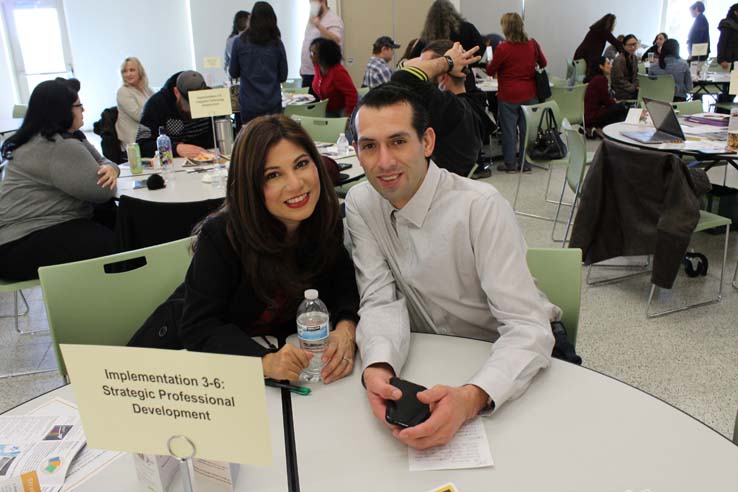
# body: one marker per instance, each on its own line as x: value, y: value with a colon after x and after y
x: 416, y: 210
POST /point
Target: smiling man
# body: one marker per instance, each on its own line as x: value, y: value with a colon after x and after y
x: 437, y: 253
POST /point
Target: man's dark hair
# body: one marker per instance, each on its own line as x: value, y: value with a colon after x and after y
x: 390, y: 94
x: 329, y: 53
x: 698, y: 6
x: 439, y: 46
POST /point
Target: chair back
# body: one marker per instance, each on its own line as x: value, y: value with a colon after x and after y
x: 315, y: 110
x: 580, y: 70
x: 296, y: 90
x: 577, y: 154
x: 87, y: 305
x: 292, y: 84
x: 19, y: 111
x: 659, y: 87
x: 571, y: 102
x: 322, y: 129
x: 532, y: 115
x: 362, y: 91
x: 558, y: 274
x: 688, y: 107
x: 735, y: 430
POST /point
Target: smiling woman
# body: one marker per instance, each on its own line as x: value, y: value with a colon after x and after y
x: 277, y: 234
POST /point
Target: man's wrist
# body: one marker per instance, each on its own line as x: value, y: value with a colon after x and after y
x: 478, y: 399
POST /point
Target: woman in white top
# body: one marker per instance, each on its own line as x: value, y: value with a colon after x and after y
x: 131, y: 98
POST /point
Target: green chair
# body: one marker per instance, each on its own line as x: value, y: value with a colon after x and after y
x: 362, y: 91
x: 688, y: 107
x: 314, y: 110
x: 577, y: 154
x: 292, y: 84
x: 580, y: 70
x: 735, y: 430
x: 571, y: 102
x: 87, y: 305
x: 296, y: 90
x: 322, y: 129
x: 19, y: 110
x: 659, y: 87
x: 558, y: 273
x: 532, y: 115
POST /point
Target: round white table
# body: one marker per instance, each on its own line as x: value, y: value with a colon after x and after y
x: 573, y: 429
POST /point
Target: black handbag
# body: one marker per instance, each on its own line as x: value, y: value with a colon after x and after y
x: 548, y: 145
x: 543, y: 88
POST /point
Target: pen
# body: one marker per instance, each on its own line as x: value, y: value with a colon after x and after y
x: 300, y: 390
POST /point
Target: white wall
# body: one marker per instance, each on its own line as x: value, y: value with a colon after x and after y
x: 7, y: 92
x: 560, y: 25
x: 103, y: 33
x: 211, y: 27
x: 485, y: 15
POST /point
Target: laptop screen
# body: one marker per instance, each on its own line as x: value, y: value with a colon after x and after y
x: 663, y: 117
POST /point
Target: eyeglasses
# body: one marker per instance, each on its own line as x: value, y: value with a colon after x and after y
x: 631, y: 44
x: 79, y: 105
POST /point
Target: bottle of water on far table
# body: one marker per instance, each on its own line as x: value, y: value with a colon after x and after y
x: 313, y: 327
x: 166, y: 158
x: 342, y: 144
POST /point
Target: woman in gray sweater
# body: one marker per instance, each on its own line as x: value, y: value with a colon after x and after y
x: 53, y: 176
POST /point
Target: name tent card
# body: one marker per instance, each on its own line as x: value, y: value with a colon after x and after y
x: 210, y: 102
x: 211, y: 62
x: 699, y: 49
x: 138, y: 399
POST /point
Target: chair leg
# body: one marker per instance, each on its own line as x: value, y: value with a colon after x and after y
x: 621, y: 277
x: 16, y: 314
x: 26, y: 373
x: 700, y: 303
x: 735, y: 277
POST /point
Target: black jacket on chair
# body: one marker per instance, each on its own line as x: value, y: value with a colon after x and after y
x: 638, y: 202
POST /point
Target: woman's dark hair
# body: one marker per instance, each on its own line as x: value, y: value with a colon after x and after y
x: 240, y: 22
x: 409, y: 49
x: 669, y: 48
x: 596, y: 69
x: 49, y: 113
x: 277, y: 266
x: 731, y: 12
x: 263, y: 25
x: 329, y: 53
x: 606, y: 23
x: 666, y: 36
x: 441, y: 22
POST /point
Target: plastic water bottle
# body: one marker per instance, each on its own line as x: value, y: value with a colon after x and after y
x: 342, y: 144
x: 313, y: 327
x: 164, y: 146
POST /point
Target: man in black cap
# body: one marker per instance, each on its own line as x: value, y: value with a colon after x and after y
x: 378, y: 70
x: 170, y: 108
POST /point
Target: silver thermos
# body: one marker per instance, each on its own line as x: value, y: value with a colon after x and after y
x: 224, y: 135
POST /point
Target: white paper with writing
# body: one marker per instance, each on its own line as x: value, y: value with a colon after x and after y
x: 468, y: 449
x: 733, y: 89
x: 699, y: 49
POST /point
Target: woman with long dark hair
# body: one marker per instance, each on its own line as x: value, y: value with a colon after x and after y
x: 655, y: 48
x: 600, y: 109
x: 53, y: 176
x: 260, y: 60
x: 278, y: 233
x: 332, y: 81
x: 670, y: 63
x: 443, y: 21
x: 624, y: 75
x: 727, y: 49
x: 240, y: 24
x: 594, y: 42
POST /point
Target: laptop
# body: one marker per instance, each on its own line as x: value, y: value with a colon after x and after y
x: 664, y: 119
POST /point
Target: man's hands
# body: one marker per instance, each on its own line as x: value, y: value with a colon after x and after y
x: 450, y: 408
x: 462, y: 58
x: 378, y: 389
x: 287, y: 363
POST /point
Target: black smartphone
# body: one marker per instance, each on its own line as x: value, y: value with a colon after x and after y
x: 408, y: 411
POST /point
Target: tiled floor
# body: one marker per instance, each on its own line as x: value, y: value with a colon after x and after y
x: 689, y: 359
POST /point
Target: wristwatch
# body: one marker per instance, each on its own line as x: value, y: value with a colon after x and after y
x: 450, y: 62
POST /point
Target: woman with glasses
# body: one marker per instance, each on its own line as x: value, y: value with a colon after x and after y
x: 624, y: 75
x: 53, y: 178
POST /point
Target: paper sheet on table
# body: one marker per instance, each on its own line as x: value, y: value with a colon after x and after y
x: 88, y: 462
x: 704, y: 146
x: 638, y: 116
x: 733, y: 89
x: 468, y: 449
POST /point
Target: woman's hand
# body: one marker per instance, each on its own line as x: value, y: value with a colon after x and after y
x: 339, y: 356
x: 108, y: 176
x: 287, y: 363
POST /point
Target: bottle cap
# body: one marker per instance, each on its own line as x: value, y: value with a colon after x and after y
x: 162, y: 130
x: 311, y: 294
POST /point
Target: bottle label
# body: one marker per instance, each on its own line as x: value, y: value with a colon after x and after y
x: 318, y: 332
